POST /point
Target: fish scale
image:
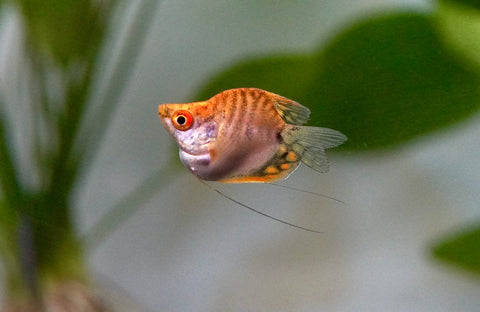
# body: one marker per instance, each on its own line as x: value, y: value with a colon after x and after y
x: 247, y: 135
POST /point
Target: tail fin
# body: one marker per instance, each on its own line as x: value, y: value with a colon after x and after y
x: 310, y: 144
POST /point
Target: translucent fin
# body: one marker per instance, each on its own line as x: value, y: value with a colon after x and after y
x: 291, y: 112
x: 310, y: 144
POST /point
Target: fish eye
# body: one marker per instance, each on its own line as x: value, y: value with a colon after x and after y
x: 182, y: 120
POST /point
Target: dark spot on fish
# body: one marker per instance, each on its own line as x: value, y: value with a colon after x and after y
x: 204, y: 162
x: 279, y: 137
x: 210, y: 117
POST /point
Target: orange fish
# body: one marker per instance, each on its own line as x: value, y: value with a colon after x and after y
x: 247, y: 135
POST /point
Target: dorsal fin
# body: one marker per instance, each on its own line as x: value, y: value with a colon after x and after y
x: 291, y: 112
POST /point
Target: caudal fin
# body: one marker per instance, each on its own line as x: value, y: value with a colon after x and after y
x: 310, y: 144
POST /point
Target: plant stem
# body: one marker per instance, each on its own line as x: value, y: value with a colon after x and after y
x: 9, y: 181
x: 119, y: 78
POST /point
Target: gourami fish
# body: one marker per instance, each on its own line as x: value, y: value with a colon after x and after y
x: 247, y: 135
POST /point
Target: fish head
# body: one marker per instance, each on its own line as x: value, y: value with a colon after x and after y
x: 192, y: 125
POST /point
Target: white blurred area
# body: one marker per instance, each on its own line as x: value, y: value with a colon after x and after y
x: 189, y: 249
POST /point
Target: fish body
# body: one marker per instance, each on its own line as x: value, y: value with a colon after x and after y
x: 247, y: 135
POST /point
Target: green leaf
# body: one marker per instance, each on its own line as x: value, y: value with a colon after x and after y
x: 382, y: 82
x: 390, y: 79
x: 289, y: 75
x: 461, y: 249
x: 459, y: 25
x: 8, y: 224
x: 469, y: 3
x: 69, y: 30
x: 9, y: 181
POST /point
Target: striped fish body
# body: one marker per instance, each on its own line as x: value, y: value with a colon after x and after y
x: 246, y: 135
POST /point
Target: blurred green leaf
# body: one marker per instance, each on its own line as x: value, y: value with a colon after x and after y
x: 470, y: 3
x: 459, y: 25
x: 461, y: 249
x: 382, y: 82
x: 289, y: 75
x: 67, y: 29
x: 458, y: 22
x: 39, y: 247
x: 9, y: 184
x: 389, y: 80
x: 8, y: 220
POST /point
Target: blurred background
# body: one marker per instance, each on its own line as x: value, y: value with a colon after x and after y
x: 399, y: 78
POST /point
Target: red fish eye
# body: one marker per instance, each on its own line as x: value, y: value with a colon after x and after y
x: 182, y: 120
